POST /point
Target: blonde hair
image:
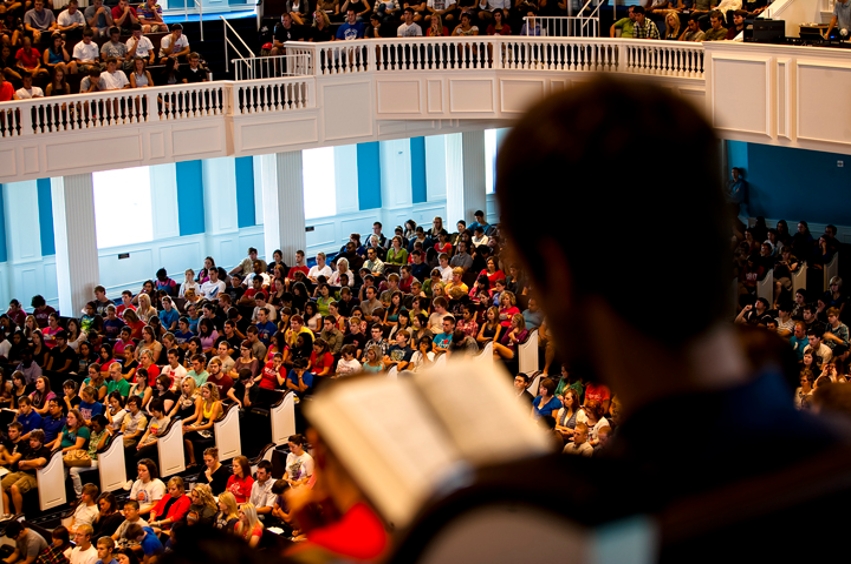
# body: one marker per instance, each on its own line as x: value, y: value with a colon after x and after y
x: 250, y: 513
x: 227, y: 499
x: 192, y: 386
x: 205, y: 495
x: 177, y: 481
x: 675, y: 28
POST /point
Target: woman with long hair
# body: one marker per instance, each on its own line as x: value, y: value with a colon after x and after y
x: 208, y: 408
x: 41, y: 395
x: 228, y: 515
x: 203, y: 504
x: 58, y: 85
x: 240, y: 482
x: 249, y: 528
x: 141, y: 76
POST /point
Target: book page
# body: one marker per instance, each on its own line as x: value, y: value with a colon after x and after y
x: 386, y: 435
x: 478, y: 406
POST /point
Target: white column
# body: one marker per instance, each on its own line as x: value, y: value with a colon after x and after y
x: 283, y: 203
x: 164, y: 197
x: 220, y: 216
x: 77, y: 269
x: 465, y: 176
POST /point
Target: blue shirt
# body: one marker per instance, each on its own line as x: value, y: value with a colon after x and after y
x: 307, y: 378
x: 51, y: 427
x: 550, y: 408
x: 30, y: 422
x: 181, y: 337
x: 151, y: 544
x: 348, y: 31
x: 89, y: 410
x: 169, y: 317
x: 443, y: 340
x: 265, y: 332
x: 798, y: 345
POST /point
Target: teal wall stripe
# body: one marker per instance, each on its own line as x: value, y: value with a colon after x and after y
x: 45, y: 217
x: 245, y: 192
x: 419, y: 192
x: 190, y: 197
x: 369, y: 176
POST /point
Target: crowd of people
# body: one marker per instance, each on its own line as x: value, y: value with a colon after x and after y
x: 106, y: 48
x: 239, y: 336
x: 811, y: 320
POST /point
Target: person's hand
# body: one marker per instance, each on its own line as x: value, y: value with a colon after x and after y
x: 748, y: 307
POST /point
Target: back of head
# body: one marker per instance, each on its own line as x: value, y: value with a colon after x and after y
x: 589, y: 143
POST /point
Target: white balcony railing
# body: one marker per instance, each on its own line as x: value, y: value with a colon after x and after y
x: 314, y: 61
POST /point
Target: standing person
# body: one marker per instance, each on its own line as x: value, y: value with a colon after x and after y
x: 656, y: 370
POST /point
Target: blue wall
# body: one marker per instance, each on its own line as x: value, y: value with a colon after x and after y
x: 419, y: 192
x: 794, y: 184
x: 369, y: 176
x: 245, y: 191
x: 190, y: 197
x: 45, y: 217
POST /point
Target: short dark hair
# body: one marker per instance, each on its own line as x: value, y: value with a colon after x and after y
x: 638, y: 9
x: 575, y: 130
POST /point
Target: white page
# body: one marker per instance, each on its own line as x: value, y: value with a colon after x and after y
x: 479, y: 406
x: 386, y: 435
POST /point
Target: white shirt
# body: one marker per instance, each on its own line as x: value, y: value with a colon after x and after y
x: 261, y: 494
x: 440, y: 4
x: 65, y: 19
x: 176, y: 374
x: 299, y: 467
x: 143, y: 49
x: 727, y: 5
x: 85, y: 514
x: 34, y: 92
x: 181, y: 44
x: 316, y: 272
x: 211, y: 290
x: 187, y: 285
x: 405, y: 30
x: 83, y: 52
x: 114, y: 80
x: 151, y: 492
x: 445, y: 273
x: 89, y: 556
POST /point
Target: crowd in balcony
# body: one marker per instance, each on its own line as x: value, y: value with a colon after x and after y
x: 47, y: 52
x: 685, y: 22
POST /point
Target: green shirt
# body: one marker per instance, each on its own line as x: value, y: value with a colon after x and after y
x: 93, y: 444
x: 626, y: 26
x: 713, y: 35
x: 200, y: 379
x: 122, y: 386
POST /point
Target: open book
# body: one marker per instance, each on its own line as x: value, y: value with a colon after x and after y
x: 404, y: 440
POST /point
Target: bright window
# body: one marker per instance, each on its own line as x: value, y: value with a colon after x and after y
x: 320, y: 182
x: 123, y: 207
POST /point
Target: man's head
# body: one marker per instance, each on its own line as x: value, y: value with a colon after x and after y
x: 631, y: 13
x: 739, y: 17
x: 72, y: 6
x: 286, y: 20
x: 448, y: 324
x: 575, y: 131
x: 351, y: 16
x: 715, y: 19
x: 176, y: 32
x: 694, y: 24
x: 264, y: 471
x: 638, y: 14
x: 83, y: 536
x: 39, y: 5
x: 194, y: 60
x: 105, y: 547
x: 408, y: 14
x: 114, y: 34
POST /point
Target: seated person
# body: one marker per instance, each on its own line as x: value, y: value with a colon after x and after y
x: 194, y: 72
x: 151, y: 17
x: 16, y: 484
x: 173, y: 46
x: 28, y: 543
x: 131, y: 517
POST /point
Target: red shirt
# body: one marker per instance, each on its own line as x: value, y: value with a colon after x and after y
x: 176, y: 512
x: 117, y: 12
x: 318, y: 363
x: 28, y: 60
x: 294, y: 269
x: 597, y: 392
x: 153, y: 373
x: 241, y: 489
x: 269, y: 380
x: 6, y: 94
